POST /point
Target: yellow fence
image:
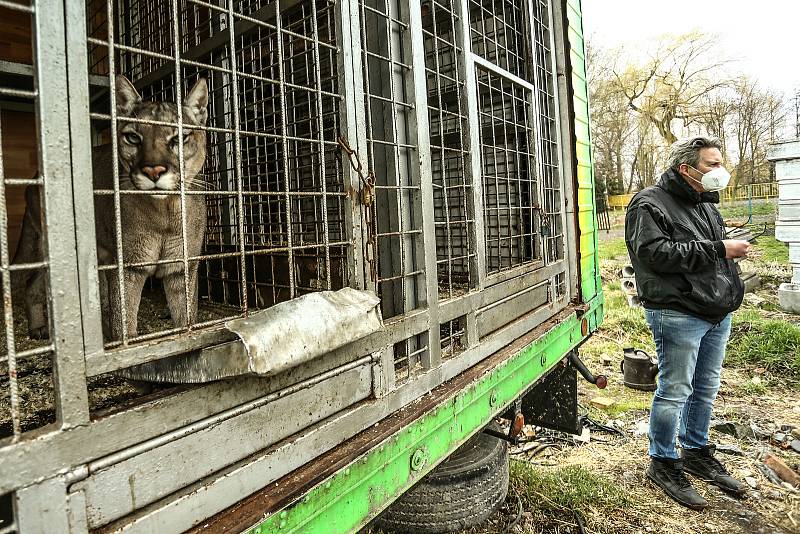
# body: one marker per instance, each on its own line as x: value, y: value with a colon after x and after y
x: 754, y: 191
x: 744, y: 192
x: 619, y: 202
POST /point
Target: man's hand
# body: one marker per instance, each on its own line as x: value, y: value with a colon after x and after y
x: 736, y: 248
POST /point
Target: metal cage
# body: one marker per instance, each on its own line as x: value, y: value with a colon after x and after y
x: 412, y: 149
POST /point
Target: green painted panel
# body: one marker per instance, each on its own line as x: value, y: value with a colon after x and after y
x: 352, y: 496
x: 589, y: 263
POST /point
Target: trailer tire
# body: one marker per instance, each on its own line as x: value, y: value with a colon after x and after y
x: 461, y: 492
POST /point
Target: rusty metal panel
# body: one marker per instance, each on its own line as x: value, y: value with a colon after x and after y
x: 121, y: 488
x: 501, y: 313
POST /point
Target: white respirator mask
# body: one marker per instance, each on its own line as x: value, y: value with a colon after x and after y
x: 714, y: 180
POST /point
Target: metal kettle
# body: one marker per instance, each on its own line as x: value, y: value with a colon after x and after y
x: 639, y: 369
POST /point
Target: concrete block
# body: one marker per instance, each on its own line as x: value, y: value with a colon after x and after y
x: 628, y: 286
x: 789, y: 190
x: 789, y: 149
x: 789, y: 210
x: 794, y: 253
x: 787, y: 170
x: 789, y: 297
x: 633, y: 301
x: 751, y: 281
x: 787, y: 231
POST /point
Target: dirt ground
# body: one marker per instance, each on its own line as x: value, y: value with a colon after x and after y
x: 751, y: 395
x: 771, y: 409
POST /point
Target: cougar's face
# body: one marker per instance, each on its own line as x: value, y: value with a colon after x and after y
x: 149, y: 154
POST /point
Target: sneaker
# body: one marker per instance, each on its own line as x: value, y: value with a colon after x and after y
x: 667, y: 474
x: 702, y: 464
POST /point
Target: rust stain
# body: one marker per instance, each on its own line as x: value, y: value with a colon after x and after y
x: 288, y: 490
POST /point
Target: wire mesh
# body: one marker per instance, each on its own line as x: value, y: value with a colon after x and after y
x: 26, y: 355
x: 453, y: 337
x: 272, y: 183
x: 408, y: 356
x: 448, y: 117
x: 391, y: 152
x: 509, y: 180
x: 552, y: 195
x: 498, y: 34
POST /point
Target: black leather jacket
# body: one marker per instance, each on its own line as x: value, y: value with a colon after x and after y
x: 674, y: 236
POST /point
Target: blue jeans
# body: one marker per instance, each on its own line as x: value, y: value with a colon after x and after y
x: 690, y: 353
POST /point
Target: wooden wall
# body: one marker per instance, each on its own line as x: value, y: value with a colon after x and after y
x: 15, y: 36
x: 20, y: 156
x: 20, y: 160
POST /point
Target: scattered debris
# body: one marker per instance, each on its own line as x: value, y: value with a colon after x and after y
x: 730, y: 449
x: 796, y: 433
x: 584, y: 437
x: 795, y: 445
x: 775, y: 495
x: 785, y: 472
x: 769, y: 474
x: 736, y: 430
x: 603, y: 403
x: 642, y: 428
x: 754, y: 300
x: 751, y: 482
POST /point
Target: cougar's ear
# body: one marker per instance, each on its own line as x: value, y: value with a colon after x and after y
x: 196, y: 103
x: 127, y: 96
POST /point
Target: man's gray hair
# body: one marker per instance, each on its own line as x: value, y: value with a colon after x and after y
x: 688, y: 150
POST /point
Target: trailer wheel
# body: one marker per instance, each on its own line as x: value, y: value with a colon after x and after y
x: 461, y: 492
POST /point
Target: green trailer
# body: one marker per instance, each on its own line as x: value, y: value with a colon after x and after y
x: 431, y: 160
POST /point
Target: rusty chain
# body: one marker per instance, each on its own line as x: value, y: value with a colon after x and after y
x: 366, y: 196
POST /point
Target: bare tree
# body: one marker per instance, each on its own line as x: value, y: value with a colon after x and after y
x: 717, y: 116
x: 611, y: 122
x: 649, y: 155
x: 756, y: 117
x: 672, y: 84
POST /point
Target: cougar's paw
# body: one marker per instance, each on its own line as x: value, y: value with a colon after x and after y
x: 41, y: 332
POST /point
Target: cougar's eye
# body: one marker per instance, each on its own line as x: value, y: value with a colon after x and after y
x: 132, y: 138
x: 173, y: 141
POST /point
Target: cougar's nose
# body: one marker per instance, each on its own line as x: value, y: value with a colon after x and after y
x: 154, y: 172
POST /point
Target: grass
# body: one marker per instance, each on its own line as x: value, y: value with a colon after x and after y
x: 760, y: 208
x: 753, y: 388
x: 772, y: 250
x: 771, y: 344
x: 757, y: 341
x: 551, y: 495
x: 612, y: 249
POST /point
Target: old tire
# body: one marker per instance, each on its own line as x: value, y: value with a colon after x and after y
x: 463, y: 491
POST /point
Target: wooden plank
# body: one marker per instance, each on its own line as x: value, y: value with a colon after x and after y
x: 15, y: 36
x: 20, y: 160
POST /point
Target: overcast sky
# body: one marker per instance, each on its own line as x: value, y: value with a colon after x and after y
x: 764, y: 36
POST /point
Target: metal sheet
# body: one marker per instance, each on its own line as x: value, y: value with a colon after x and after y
x: 306, y: 328
x: 184, y: 509
x: 509, y: 310
x: 43, y: 508
x: 128, y: 485
x: 276, y: 339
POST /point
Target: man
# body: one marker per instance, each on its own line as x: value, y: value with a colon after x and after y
x: 688, y: 284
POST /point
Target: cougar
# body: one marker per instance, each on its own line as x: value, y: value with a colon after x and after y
x: 147, y: 157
